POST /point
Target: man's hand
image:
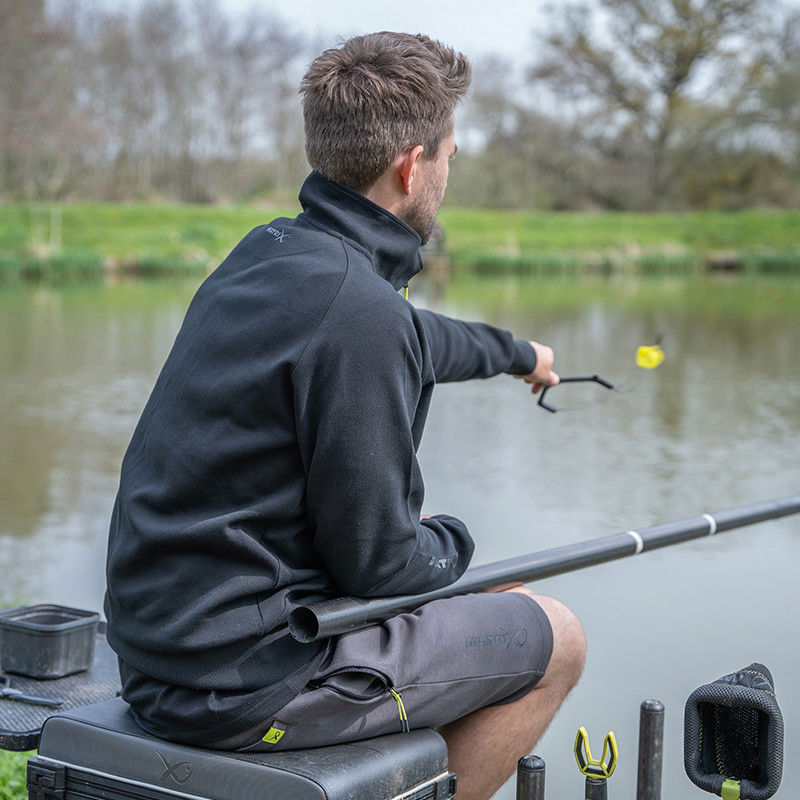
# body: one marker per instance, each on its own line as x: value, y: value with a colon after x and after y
x: 543, y: 375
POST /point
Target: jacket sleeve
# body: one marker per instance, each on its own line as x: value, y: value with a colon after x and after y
x: 463, y: 350
x: 359, y: 422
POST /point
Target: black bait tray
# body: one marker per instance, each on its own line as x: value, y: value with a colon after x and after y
x: 47, y: 641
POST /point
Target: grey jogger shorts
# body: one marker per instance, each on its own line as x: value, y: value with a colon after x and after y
x: 439, y: 663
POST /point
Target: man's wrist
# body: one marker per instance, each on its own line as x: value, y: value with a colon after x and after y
x: 524, y: 358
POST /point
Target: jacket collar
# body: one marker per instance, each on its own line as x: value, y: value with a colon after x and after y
x: 393, y: 246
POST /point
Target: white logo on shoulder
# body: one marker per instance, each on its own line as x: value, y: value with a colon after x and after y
x: 279, y: 234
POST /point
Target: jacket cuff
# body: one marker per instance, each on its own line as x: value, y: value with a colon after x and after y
x: 524, y: 359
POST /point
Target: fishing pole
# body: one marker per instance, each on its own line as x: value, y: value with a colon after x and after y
x: 331, y: 617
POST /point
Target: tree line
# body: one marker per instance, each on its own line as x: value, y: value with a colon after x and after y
x: 622, y: 104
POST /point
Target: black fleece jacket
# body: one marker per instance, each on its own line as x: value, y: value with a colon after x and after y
x: 275, y: 464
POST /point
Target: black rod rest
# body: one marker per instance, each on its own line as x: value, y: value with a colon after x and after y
x: 99, y: 751
x: 585, y: 379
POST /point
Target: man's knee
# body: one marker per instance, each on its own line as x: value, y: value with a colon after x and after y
x: 569, y: 640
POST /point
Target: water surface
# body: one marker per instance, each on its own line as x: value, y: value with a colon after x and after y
x: 717, y: 425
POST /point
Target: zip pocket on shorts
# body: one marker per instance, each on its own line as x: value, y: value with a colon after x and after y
x: 363, y: 683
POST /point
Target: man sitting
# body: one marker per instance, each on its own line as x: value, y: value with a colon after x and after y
x: 275, y: 465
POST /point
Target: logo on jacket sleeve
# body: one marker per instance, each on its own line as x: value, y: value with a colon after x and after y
x: 279, y: 234
x: 442, y: 563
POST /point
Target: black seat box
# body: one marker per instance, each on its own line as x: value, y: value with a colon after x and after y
x: 99, y: 751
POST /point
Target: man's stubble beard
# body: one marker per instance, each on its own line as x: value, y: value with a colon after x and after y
x: 421, y: 213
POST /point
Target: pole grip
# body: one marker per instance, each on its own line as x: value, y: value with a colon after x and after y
x: 530, y: 778
x: 651, y: 750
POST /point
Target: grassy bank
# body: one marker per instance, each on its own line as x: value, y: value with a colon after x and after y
x: 90, y: 240
x: 602, y: 243
x: 12, y: 775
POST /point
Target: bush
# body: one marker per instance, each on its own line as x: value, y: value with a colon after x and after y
x: 164, y: 267
x: 10, y: 267
x: 534, y: 264
x: 664, y: 264
x: 74, y: 265
x: 70, y: 266
x: 773, y: 263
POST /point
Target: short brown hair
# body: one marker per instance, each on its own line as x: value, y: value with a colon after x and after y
x: 372, y: 97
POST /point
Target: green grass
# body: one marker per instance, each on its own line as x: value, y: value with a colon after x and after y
x: 12, y: 775
x: 476, y: 230
x: 123, y: 230
x: 541, y: 243
x: 85, y: 240
x: 13, y: 766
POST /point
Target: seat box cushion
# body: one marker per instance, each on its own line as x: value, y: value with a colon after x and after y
x: 104, y: 740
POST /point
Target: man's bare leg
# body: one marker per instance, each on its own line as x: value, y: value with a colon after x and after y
x: 484, y: 747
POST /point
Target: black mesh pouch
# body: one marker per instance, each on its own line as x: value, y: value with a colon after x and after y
x: 733, y: 730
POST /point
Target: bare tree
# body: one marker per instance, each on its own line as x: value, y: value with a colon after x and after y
x: 630, y: 104
x: 40, y: 130
x: 632, y: 70
x: 252, y: 70
x: 778, y: 83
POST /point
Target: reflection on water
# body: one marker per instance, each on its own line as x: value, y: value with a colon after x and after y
x: 77, y: 367
x: 717, y: 425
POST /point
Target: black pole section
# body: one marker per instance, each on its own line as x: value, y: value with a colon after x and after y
x: 332, y: 617
x: 596, y: 788
x: 530, y: 778
x: 651, y: 750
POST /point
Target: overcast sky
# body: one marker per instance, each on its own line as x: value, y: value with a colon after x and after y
x: 472, y: 26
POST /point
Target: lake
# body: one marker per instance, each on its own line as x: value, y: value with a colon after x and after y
x: 716, y: 425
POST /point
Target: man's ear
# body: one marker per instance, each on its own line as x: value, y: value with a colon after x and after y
x: 407, y: 167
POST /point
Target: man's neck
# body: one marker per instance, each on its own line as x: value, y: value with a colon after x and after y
x: 392, y: 245
x: 386, y: 194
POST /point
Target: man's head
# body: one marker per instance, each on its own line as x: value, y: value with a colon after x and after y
x: 377, y: 97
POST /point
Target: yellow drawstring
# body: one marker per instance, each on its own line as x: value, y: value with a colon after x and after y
x: 401, y: 709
